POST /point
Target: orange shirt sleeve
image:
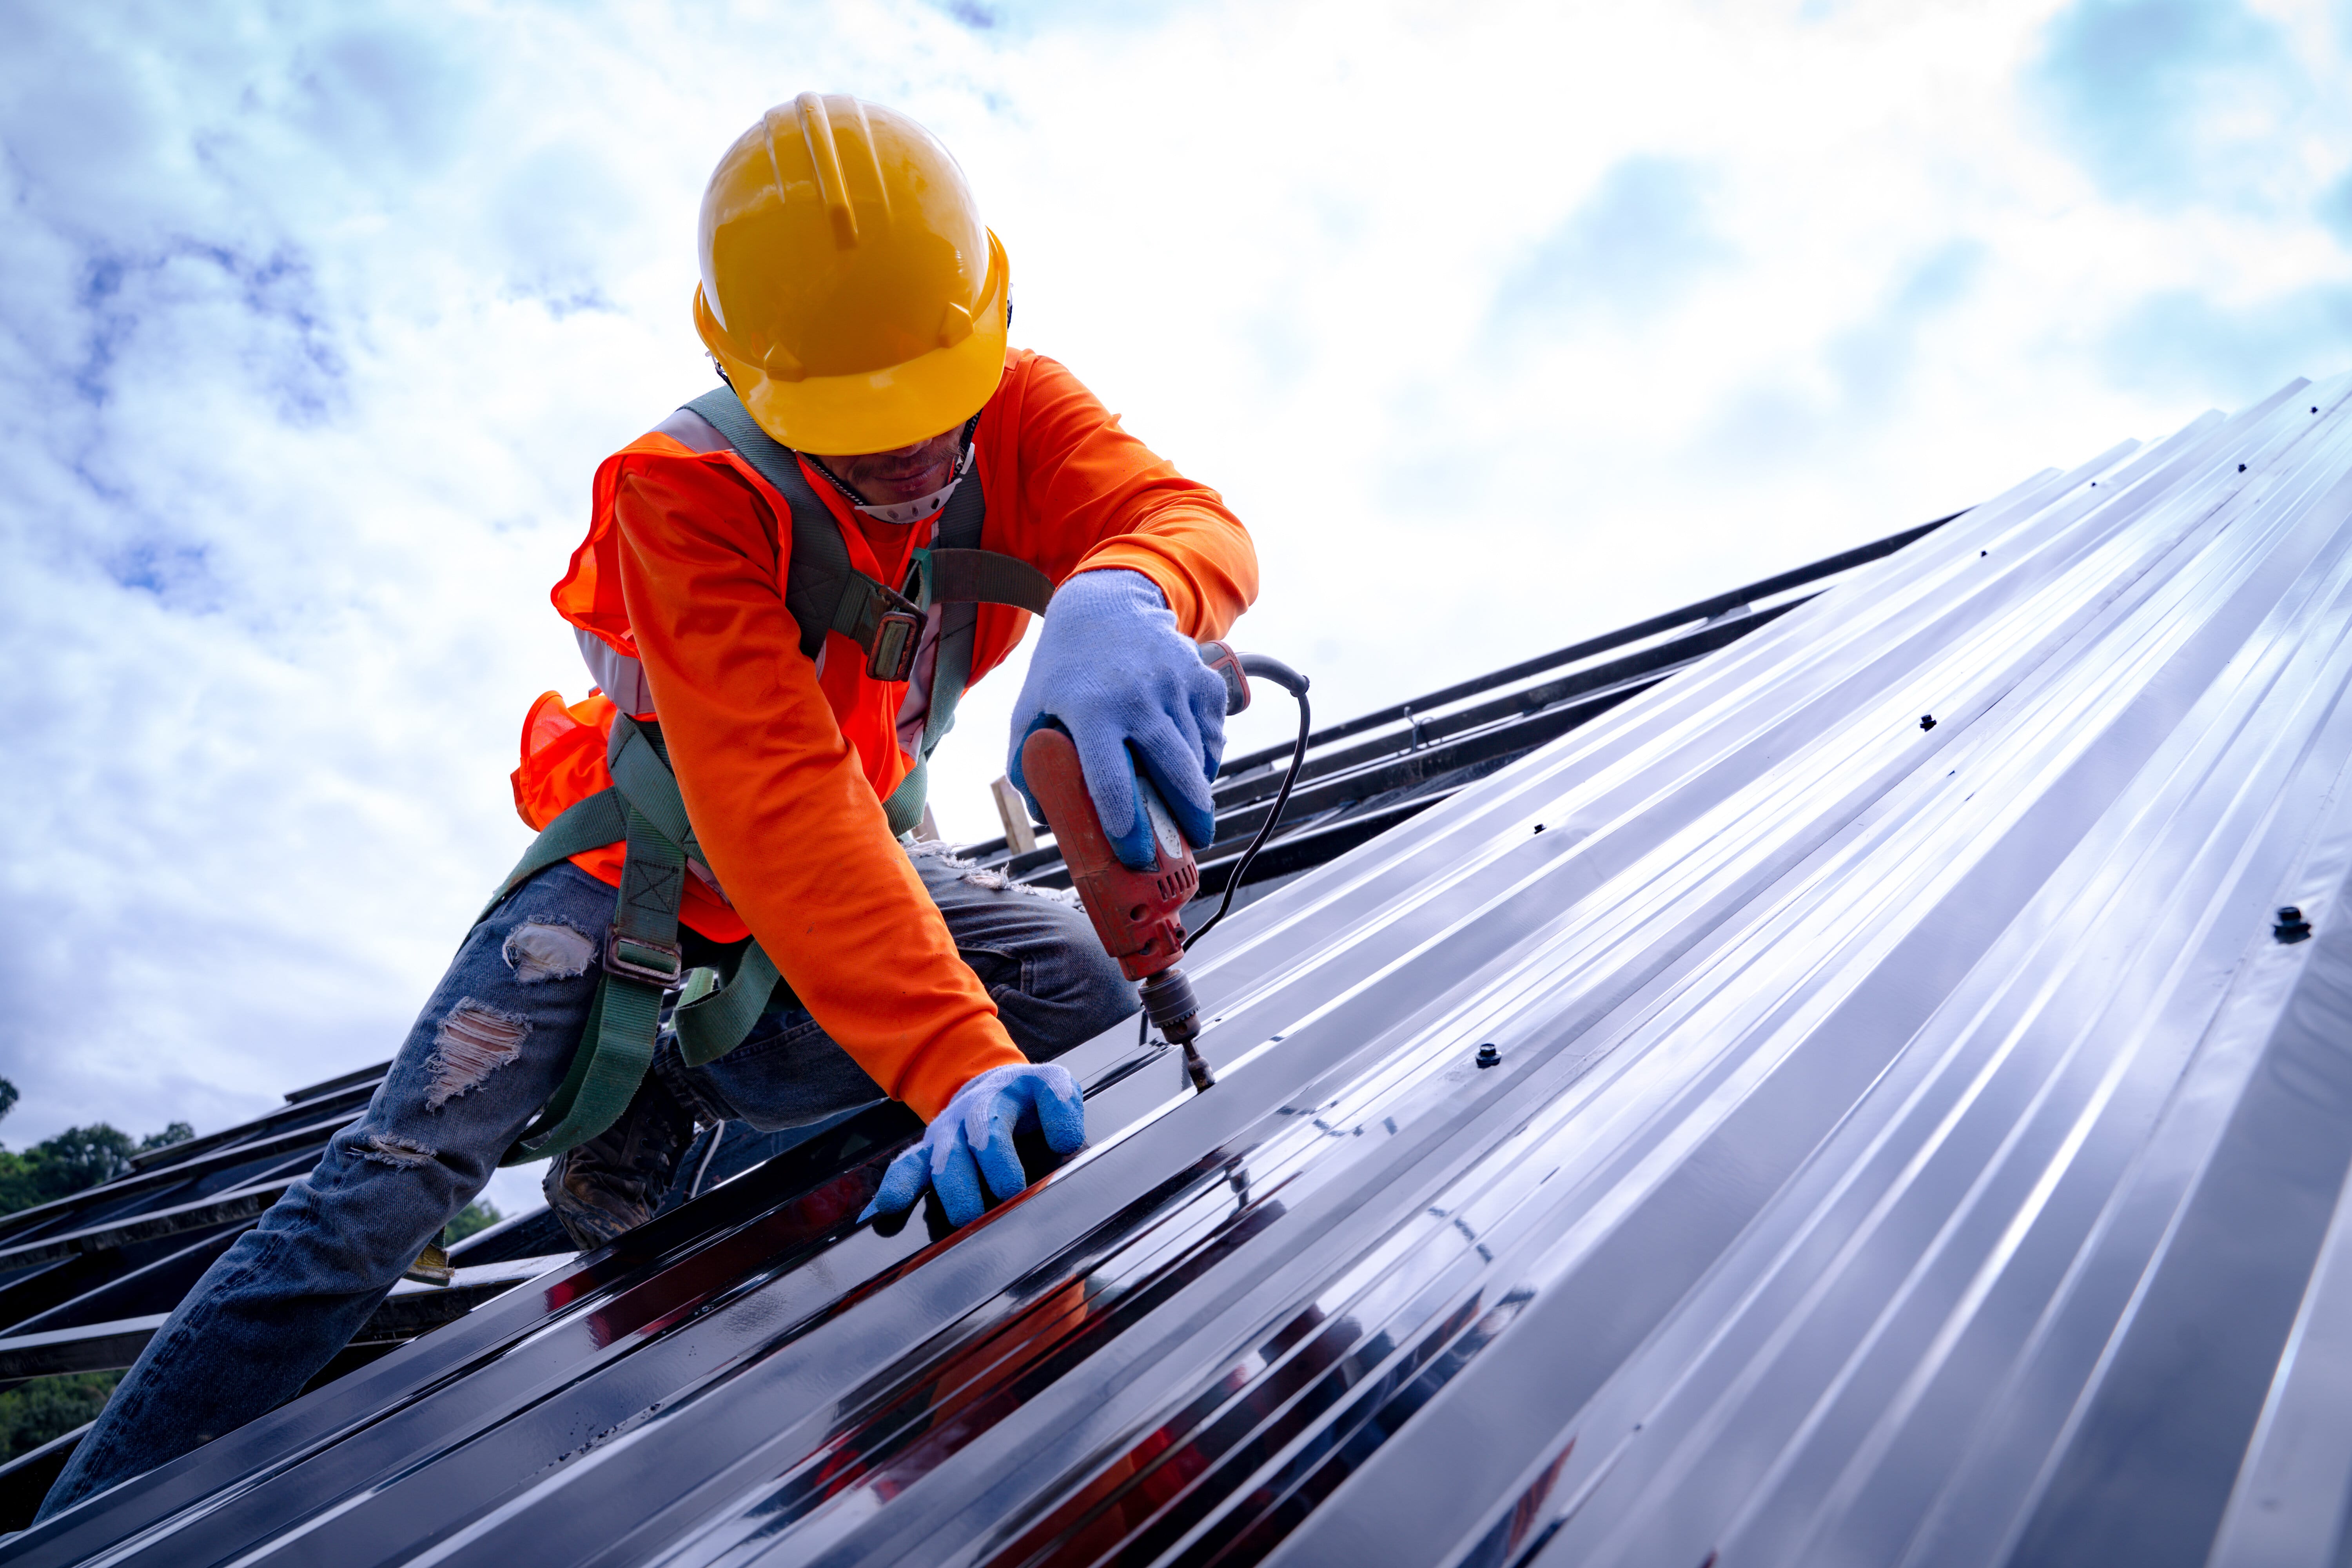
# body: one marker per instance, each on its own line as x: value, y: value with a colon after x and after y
x: 1092, y: 496
x: 785, y: 817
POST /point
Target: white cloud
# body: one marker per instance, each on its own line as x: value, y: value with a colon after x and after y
x: 314, y: 324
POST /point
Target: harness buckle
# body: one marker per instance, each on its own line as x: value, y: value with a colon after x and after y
x: 634, y: 958
x: 896, y: 636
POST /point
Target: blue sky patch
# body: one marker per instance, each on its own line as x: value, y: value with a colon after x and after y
x: 2186, y: 342
x: 1020, y: 20
x: 2152, y: 95
x: 388, y: 97
x: 2334, y: 208
x: 1636, y: 245
x: 171, y: 573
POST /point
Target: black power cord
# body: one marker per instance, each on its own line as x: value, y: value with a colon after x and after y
x: 1290, y: 680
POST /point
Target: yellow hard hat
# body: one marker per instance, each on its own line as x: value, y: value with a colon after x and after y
x: 849, y: 289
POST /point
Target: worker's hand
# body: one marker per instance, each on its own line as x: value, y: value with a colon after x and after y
x: 1112, y: 668
x: 973, y: 1139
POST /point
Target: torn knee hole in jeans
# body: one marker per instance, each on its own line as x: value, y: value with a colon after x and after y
x: 473, y: 1043
x: 987, y: 877
x: 537, y: 952
x: 391, y: 1149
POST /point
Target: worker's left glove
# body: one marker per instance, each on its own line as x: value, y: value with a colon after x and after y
x: 972, y: 1140
x: 1112, y: 668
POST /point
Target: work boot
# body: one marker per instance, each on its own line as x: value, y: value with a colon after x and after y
x: 613, y: 1182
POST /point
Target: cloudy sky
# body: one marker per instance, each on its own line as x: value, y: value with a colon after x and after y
x: 1499, y: 323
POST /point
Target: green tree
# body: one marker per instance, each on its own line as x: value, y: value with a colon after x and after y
x: 77, y: 1158
x: 19, y: 1189
x: 33, y: 1412
x: 475, y: 1215
x: 16, y: 1188
x: 82, y: 1157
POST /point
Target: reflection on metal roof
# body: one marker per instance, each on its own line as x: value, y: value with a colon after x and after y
x: 86, y: 1280
x: 1914, y: 1135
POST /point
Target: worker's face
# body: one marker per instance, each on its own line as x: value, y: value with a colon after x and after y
x: 905, y: 474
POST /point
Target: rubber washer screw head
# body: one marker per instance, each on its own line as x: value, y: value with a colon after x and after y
x: 1490, y: 1057
x: 1927, y: 720
x: 2290, y: 926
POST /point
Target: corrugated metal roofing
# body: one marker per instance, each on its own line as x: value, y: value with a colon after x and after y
x: 1916, y: 1138
x: 85, y: 1280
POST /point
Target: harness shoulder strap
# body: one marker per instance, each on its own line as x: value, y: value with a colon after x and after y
x: 820, y: 584
x: 823, y: 590
x: 956, y: 554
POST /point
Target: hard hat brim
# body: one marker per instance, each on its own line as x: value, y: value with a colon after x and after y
x: 881, y: 410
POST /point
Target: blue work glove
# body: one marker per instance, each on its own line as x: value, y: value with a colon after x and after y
x: 972, y: 1138
x: 1111, y: 666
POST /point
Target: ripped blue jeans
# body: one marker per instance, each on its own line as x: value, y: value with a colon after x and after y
x: 490, y: 1046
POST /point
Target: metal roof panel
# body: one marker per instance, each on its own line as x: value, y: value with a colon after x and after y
x: 1914, y: 1136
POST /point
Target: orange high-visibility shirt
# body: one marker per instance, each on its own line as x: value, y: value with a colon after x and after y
x: 784, y: 769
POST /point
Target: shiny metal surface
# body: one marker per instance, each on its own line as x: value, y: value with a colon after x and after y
x: 71, y: 1272
x: 1367, y: 773
x: 1901, y: 1142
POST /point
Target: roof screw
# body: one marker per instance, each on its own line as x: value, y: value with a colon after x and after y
x: 1539, y: 827
x: 2315, y: 408
x: 2292, y: 926
x: 2241, y: 468
x: 1927, y: 720
x: 1490, y: 1057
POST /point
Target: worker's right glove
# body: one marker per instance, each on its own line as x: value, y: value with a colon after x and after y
x: 1113, y: 669
x: 973, y: 1139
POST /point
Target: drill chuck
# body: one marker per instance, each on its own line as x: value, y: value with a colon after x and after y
x: 1168, y: 999
x: 1168, y: 1003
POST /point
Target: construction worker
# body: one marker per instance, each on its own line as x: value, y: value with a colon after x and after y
x: 784, y: 589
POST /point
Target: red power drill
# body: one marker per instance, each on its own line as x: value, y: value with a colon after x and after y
x: 1139, y: 914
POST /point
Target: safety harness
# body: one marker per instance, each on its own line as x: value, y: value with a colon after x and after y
x: 642, y: 957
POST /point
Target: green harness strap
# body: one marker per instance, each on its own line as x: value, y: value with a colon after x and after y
x: 642, y: 957
x: 951, y: 579
x: 640, y: 775
x: 712, y: 1019
x: 591, y: 823
x: 824, y: 592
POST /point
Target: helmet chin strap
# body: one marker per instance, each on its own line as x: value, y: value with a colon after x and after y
x: 921, y: 507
